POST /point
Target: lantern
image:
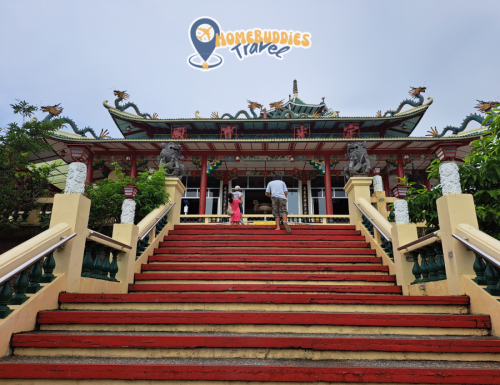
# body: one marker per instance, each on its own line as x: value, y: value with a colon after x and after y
x: 194, y: 173
x: 265, y: 173
x: 234, y: 171
x: 376, y: 170
x: 237, y: 158
x: 130, y: 191
x: 399, y: 191
x: 79, y: 152
x: 292, y: 159
x: 446, y: 151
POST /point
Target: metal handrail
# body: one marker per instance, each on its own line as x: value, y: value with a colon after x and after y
x: 428, y: 236
x: 373, y: 223
x: 39, y: 256
x: 488, y: 257
x: 108, y: 239
x: 158, y: 220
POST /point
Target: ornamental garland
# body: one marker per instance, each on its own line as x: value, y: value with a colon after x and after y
x: 137, y: 164
x: 394, y: 161
x: 212, y: 166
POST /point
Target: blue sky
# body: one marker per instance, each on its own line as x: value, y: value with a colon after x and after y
x: 364, y: 56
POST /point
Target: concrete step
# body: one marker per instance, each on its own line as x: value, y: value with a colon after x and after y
x: 275, y: 237
x: 243, y: 242
x: 267, y: 302
x: 261, y: 347
x: 283, y: 288
x: 270, y: 226
x: 266, y: 322
x: 264, y: 251
x: 212, y: 267
x: 250, y: 230
x: 263, y: 258
x: 89, y: 370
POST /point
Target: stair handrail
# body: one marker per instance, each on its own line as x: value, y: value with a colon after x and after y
x: 472, y: 238
x: 372, y: 222
x: 426, y: 240
x: 107, y: 241
x: 36, y: 258
x: 158, y: 219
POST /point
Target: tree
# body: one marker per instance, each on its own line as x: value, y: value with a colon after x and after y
x: 107, y: 197
x: 22, y: 183
x: 479, y: 176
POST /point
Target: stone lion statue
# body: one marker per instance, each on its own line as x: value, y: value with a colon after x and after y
x: 359, y: 163
x: 170, y: 157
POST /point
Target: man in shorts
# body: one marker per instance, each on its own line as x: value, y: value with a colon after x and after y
x: 238, y: 195
x: 277, y: 191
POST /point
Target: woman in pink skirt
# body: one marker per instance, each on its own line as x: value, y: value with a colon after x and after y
x: 235, y: 206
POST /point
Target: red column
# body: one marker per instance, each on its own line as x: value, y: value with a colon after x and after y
x: 328, y: 186
x: 387, y: 187
x: 203, y: 186
x: 400, y: 170
x: 427, y: 183
x: 133, y: 168
x: 90, y: 169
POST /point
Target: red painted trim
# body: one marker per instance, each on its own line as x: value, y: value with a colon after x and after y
x: 352, y: 299
x: 263, y: 277
x: 282, y: 373
x: 263, y: 318
x: 268, y: 251
x: 261, y: 258
x: 291, y: 241
x: 217, y: 229
x: 312, y: 343
x: 233, y: 267
x: 271, y: 243
x: 257, y: 287
x: 266, y: 227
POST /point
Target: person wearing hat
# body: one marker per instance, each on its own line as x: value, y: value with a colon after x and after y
x: 238, y: 195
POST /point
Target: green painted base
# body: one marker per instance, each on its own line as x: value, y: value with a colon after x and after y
x: 47, y: 279
x: 5, y: 313
x: 494, y: 292
x: 18, y: 301
x: 34, y: 289
x: 480, y: 281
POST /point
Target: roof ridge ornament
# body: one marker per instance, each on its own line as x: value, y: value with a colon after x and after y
x: 415, y: 93
x: 55, y: 110
x: 295, y: 89
x: 481, y: 106
x: 122, y: 95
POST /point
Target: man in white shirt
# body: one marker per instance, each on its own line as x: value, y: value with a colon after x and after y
x: 277, y: 191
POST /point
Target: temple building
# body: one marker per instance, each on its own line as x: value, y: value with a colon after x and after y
x: 305, y: 143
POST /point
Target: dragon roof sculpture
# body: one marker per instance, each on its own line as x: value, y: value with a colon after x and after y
x: 415, y: 93
x: 481, y: 106
x: 56, y: 110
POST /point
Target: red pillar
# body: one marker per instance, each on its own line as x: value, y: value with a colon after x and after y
x: 90, y: 169
x: 133, y: 168
x: 387, y: 187
x: 203, y: 186
x: 427, y: 183
x: 400, y: 170
x: 328, y: 186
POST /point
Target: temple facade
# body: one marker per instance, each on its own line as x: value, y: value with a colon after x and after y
x: 305, y: 143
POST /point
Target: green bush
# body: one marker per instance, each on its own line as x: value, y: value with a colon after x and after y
x: 479, y: 176
x: 107, y: 197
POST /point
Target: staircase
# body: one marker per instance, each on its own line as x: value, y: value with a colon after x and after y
x: 249, y: 304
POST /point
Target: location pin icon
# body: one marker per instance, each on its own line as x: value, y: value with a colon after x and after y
x: 202, y: 42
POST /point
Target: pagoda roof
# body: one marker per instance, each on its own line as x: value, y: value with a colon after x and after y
x: 399, y: 125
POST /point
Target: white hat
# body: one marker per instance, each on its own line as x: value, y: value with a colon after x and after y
x: 237, y: 188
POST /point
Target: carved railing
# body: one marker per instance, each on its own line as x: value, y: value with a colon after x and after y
x: 251, y: 218
x: 146, y: 227
x: 487, y: 252
x: 28, y: 273
x: 431, y: 267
